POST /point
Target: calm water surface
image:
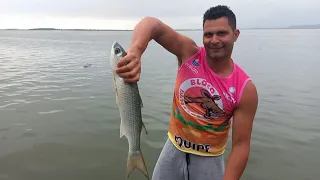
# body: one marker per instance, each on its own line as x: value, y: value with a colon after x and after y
x: 60, y: 121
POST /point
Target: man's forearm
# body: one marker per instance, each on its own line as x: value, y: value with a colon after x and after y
x: 143, y: 33
x: 237, y: 162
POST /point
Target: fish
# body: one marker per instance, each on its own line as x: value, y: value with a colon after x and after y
x: 87, y: 65
x: 130, y: 105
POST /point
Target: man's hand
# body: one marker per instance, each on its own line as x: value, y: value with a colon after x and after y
x: 129, y: 67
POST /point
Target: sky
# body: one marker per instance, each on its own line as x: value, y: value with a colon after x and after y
x: 124, y: 14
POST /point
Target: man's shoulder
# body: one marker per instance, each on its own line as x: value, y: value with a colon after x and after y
x: 249, y: 95
x: 240, y: 68
x: 190, y: 51
x: 248, y: 88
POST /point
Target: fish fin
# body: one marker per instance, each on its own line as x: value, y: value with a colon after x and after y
x: 136, y: 162
x: 144, y: 129
x: 121, y: 130
x: 141, y: 103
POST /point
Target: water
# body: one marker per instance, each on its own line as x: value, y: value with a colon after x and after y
x: 60, y: 121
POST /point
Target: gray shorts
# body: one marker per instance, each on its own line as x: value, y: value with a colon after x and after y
x: 174, y: 164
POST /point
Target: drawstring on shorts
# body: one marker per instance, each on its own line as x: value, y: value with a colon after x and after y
x: 188, y: 162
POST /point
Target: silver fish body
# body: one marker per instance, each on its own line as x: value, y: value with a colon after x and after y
x: 129, y: 103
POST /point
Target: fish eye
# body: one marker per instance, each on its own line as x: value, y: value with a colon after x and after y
x: 117, y: 50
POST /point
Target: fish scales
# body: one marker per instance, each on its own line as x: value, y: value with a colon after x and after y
x: 130, y: 110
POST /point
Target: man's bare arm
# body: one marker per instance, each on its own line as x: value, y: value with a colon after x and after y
x: 150, y: 28
x: 241, y: 133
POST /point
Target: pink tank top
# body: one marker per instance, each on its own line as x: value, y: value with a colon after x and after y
x: 203, y: 105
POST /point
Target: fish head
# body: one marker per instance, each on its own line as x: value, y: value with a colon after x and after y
x: 117, y: 52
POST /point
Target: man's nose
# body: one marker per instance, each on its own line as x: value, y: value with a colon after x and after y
x: 214, y: 39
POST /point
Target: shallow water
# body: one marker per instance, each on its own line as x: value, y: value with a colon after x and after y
x: 60, y: 120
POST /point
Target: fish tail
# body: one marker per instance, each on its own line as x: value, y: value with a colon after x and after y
x: 136, y: 162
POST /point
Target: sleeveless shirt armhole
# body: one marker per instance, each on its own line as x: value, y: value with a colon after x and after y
x: 242, y: 89
x: 191, y: 57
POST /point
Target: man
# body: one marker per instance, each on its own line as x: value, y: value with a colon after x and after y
x: 210, y: 89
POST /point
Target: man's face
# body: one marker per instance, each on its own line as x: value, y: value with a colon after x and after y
x: 219, y: 38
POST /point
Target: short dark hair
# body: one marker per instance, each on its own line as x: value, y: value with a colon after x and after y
x: 218, y: 12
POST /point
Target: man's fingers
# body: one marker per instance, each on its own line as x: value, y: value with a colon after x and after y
x: 129, y: 69
x: 123, y: 61
x: 133, y: 80
x: 126, y: 68
x: 130, y: 74
x: 122, y: 69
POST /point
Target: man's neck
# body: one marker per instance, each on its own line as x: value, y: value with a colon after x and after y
x: 222, y: 67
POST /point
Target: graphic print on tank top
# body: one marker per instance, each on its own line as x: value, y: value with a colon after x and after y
x: 199, y: 99
x: 200, y: 91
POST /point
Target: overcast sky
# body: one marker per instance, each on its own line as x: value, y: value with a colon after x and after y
x: 124, y: 14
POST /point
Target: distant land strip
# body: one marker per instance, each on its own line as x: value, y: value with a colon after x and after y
x: 316, y: 26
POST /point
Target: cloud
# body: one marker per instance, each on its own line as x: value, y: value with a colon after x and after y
x: 178, y: 13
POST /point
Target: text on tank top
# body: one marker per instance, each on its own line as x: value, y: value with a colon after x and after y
x: 203, y: 105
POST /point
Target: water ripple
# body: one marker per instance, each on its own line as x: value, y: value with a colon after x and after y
x: 7, y: 105
x: 51, y: 112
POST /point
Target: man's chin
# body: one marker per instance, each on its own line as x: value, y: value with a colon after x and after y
x: 214, y: 56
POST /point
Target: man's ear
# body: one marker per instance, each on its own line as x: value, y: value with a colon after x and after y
x: 236, y: 34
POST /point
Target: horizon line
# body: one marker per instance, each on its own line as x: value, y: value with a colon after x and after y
x: 177, y: 29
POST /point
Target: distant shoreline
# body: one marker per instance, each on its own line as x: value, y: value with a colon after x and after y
x: 56, y: 29
x: 317, y: 26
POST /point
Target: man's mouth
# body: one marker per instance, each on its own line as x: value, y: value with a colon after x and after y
x: 215, y: 48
